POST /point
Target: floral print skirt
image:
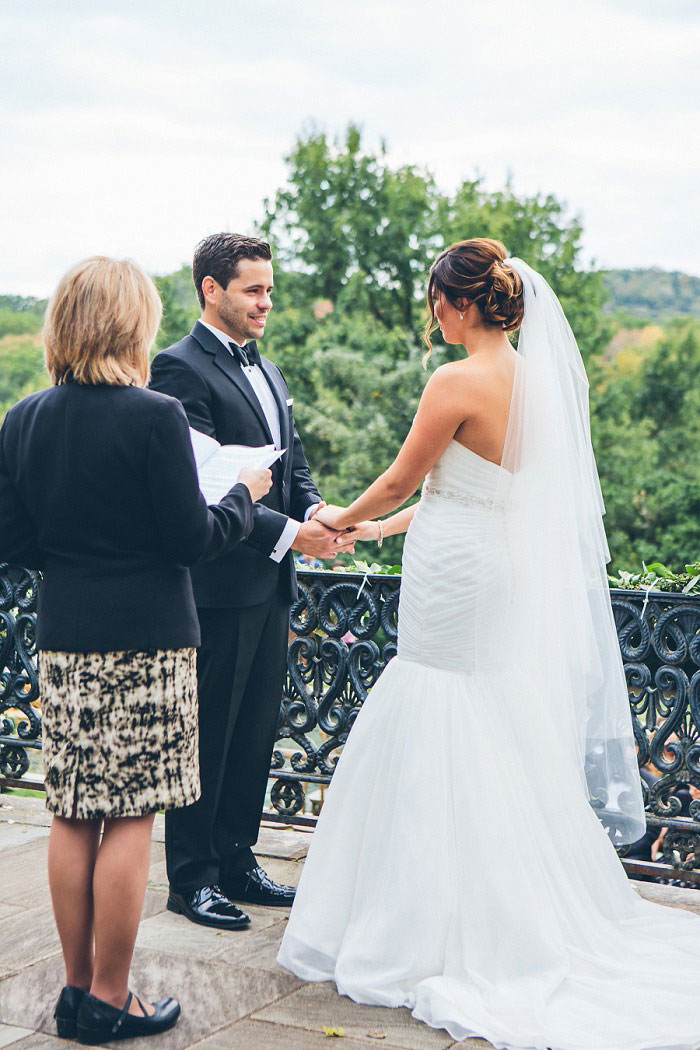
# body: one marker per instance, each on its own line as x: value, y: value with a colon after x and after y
x: 120, y: 736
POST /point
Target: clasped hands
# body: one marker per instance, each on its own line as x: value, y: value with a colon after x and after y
x: 323, y: 535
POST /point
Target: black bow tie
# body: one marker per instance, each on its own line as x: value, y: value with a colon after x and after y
x: 245, y: 355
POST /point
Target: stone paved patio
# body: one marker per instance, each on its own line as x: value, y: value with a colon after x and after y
x: 233, y: 994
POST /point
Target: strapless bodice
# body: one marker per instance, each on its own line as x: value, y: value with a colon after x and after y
x: 462, y: 476
x: 456, y: 564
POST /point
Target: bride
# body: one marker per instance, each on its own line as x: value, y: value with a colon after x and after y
x: 463, y: 865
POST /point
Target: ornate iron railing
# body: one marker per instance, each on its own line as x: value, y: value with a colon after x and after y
x: 342, y: 633
x: 20, y: 719
x: 659, y: 637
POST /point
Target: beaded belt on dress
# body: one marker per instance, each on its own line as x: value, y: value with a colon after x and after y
x: 467, y: 499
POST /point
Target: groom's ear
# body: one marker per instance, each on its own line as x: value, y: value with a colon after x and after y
x: 209, y: 289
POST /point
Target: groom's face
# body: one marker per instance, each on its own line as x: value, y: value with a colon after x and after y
x: 244, y: 304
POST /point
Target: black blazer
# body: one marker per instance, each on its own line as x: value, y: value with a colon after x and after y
x: 98, y: 490
x: 219, y: 401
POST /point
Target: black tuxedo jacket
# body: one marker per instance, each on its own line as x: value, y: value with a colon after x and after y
x: 219, y: 401
x: 99, y: 490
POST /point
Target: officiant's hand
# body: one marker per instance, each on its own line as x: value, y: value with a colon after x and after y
x: 317, y: 540
x: 258, y: 481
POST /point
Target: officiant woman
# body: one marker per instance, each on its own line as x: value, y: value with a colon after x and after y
x: 98, y: 490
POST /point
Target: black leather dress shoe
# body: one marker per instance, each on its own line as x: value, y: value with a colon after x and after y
x: 208, y: 907
x: 256, y: 887
x: 66, y: 1012
x: 100, y: 1022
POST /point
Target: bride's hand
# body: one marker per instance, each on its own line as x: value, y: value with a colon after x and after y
x: 331, y: 517
x: 365, y: 531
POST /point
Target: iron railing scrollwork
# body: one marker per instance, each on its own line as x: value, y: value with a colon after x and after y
x: 343, y: 631
x: 20, y: 719
x: 659, y: 638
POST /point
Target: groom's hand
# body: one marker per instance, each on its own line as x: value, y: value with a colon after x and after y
x: 315, y: 509
x: 319, y: 541
x: 332, y: 518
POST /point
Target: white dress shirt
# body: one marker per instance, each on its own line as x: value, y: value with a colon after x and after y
x: 261, y: 388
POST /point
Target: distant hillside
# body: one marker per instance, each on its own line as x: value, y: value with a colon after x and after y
x: 644, y: 295
x: 20, y: 315
x: 21, y: 368
x: 652, y: 294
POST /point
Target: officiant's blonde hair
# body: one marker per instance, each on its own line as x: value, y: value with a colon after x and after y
x: 101, y: 322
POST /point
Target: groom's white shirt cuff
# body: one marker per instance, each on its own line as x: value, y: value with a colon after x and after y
x: 288, y: 535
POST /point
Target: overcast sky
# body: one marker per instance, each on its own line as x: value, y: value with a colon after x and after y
x: 135, y: 127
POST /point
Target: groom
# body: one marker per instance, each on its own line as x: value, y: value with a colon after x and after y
x: 243, y: 598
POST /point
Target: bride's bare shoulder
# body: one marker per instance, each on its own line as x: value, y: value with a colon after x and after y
x: 469, y: 373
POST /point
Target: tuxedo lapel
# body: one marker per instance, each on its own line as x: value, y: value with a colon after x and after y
x: 280, y: 394
x: 231, y: 368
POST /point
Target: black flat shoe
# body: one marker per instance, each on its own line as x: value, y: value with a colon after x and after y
x: 66, y: 1012
x: 208, y: 907
x: 256, y: 887
x: 100, y: 1022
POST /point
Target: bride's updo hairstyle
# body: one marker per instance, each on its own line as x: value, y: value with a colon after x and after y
x: 474, y: 271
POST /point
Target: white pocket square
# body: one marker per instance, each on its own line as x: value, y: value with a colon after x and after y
x: 290, y: 402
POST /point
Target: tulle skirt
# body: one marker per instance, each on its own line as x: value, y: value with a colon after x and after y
x: 458, y: 870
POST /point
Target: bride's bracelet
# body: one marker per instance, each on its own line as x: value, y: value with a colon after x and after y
x: 380, y: 538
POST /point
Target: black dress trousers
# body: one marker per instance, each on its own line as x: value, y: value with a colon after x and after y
x: 211, y: 840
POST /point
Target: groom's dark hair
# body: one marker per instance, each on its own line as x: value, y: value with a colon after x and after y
x: 219, y: 254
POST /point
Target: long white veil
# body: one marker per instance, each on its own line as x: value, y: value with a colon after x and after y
x: 557, y: 620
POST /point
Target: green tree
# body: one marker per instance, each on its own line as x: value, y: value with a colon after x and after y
x: 360, y: 231
x: 14, y: 322
x: 21, y: 369
x: 180, y: 307
x: 646, y: 430
x: 353, y: 407
x: 668, y: 400
x: 362, y: 234
x: 20, y: 315
x: 353, y: 238
x: 538, y: 230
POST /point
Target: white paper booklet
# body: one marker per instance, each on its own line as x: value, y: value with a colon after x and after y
x: 218, y: 466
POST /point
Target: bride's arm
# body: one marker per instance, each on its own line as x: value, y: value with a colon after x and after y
x: 397, y: 523
x: 440, y: 413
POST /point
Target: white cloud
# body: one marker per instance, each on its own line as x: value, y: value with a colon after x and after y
x: 136, y: 127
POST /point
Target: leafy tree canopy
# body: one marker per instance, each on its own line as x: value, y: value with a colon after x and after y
x: 353, y: 237
x: 354, y: 230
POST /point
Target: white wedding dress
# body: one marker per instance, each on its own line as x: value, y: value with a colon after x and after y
x: 457, y: 868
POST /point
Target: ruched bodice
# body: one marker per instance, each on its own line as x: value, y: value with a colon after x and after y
x: 462, y: 471
x: 455, y: 562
